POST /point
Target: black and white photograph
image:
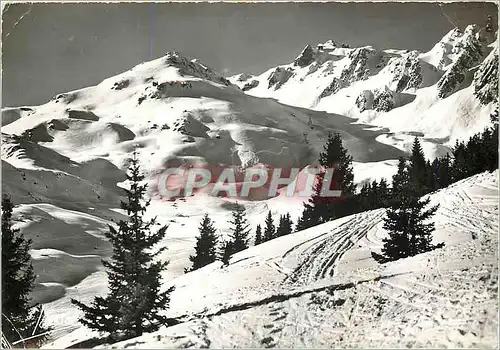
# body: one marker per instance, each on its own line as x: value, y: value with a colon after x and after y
x: 249, y: 175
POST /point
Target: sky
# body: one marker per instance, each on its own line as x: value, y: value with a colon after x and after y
x: 49, y: 48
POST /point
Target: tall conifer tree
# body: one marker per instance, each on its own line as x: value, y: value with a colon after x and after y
x: 269, y: 229
x: 258, y: 235
x: 239, y: 235
x: 19, y: 318
x: 206, y: 245
x: 134, y: 301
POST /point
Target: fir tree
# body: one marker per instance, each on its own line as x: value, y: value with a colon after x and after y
x: 444, y: 172
x: 288, y: 224
x: 269, y: 229
x: 363, y: 196
x: 336, y: 156
x: 490, y: 143
x: 320, y: 209
x: 400, y: 180
x: 385, y: 193
x: 226, y: 252
x: 206, y: 245
x: 258, y: 235
x: 431, y: 177
x: 410, y: 233
x: 132, y: 305
x: 419, y: 169
x: 478, y: 154
x: 459, y: 168
x: 285, y: 225
x: 279, y: 229
x: 239, y: 236
x: 301, y: 225
x: 19, y: 318
x: 375, y: 195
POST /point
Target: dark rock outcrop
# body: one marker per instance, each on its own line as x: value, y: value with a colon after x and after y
x: 279, y: 77
x: 250, y: 85
x: 305, y: 58
x: 83, y: 115
x: 383, y: 100
x: 365, y: 100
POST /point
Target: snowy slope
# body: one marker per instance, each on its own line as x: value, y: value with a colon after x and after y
x: 321, y: 288
x: 410, y: 92
x: 68, y: 156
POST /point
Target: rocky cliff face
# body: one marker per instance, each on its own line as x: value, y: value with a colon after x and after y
x: 279, y: 77
x: 305, y: 58
x: 364, y: 100
x: 383, y: 100
x: 350, y: 81
x: 194, y: 68
x: 250, y: 85
x: 486, y: 79
x: 468, y: 51
x: 407, y: 71
x: 356, y: 69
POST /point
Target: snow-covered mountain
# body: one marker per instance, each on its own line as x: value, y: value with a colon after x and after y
x: 431, y: 93
x: 63, y: 163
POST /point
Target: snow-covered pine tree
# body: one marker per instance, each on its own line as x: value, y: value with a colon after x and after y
x: 239, y: 235
x: 269, y: 229
x: 258, y: 235
x: 133, y: 304
x: 19, y: 318
x: 206, y: 245
x: 407, y: 221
